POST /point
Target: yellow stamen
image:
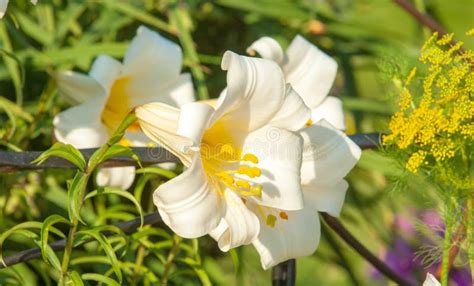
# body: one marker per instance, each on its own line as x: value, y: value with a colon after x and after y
x: 250, y: 158
x: 243, y: 184
x: 271, y: 220
x: 309, y: 122
x: 252, y: 172
x: 226, y: 178
x: 257, y: 190
x: 284, y: 215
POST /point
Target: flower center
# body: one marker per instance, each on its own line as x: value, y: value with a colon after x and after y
x: 231, y: 169
x: 117, y: 106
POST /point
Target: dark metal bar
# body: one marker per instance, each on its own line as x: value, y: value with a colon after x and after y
x: 367, y: 140
x: 343, y: 233
x: 17, y: 161
x: 284, y: 274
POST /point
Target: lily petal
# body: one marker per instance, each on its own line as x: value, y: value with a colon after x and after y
x: 328, y: 154
x: 105, y: 70
x: 255, y: 93
x: 189, y: 204
x: 296, y: 237
x: 120, y: 177
x: 240, y: 226
x: 153, y: 64
x: 160, y: 123
x: 331, y: 111
x: 279, y: 153
x: 176, y: 93
x: 78, y: 88
x: 80, y: 125
x: 310, y: 71
x: 326, y: 199
x: 3, y: 7
x: 193, y: 120
x: 294, y: 114
x: 268, y: 49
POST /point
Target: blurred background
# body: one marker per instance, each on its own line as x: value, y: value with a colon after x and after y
x: 375, y: 43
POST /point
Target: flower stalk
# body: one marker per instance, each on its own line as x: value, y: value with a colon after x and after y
x: 446, y: 245
x: 95, y: 160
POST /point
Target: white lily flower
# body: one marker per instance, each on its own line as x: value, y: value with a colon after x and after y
x: 4, y: 6
x: 243, y: 184
x: 311, y: 73
x: 431, y: 280
x: 151, y: 71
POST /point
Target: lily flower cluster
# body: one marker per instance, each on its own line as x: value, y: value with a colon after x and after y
x: 261, y: 160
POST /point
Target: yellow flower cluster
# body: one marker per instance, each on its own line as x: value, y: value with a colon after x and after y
x: 432, y: 125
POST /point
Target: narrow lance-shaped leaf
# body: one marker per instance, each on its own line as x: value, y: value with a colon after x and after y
x: 100, y: 278
x: 76, y: 279
x: 119, y: 192
x: 22, y: 228
x: 48, y: 222
x: 119, y: 150
x: 76, y: 195
x: 107, y: 247
x: 65, y: 151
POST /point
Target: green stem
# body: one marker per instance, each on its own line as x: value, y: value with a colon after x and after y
x: 68, y: 251
x: 138, y: 263
x: 470, y: 233
x: 179, y: 16
x: 446, y: 245
x: 94, y: 161
x: 169, y: 260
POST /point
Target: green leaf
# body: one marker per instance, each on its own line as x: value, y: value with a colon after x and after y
x: 179, y: 16
x: 119, y: 150
x: 157, y: 171
x: 119, y: 192
x: 22, y: 228
x: 32, y: 29
x: 15, y: 110
x: 282, y: 10
x: 75, y: 196
x: 90, y: 259
x: 50, y: 256
x: 108, y: 249
x: 65, y: 151
x: 98, y: 155
x: 67, y: 18
x: 76, y: 279
x: 139, y: 14
x: 12, y: 63
x: 99, y: 278
x: 48, y: 222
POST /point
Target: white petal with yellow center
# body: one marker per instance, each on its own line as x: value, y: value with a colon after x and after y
x: 189, y: 203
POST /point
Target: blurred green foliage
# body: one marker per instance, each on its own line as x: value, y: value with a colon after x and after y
x: 373, y: 41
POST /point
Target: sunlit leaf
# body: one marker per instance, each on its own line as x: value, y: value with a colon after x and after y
x: 65, y: 151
